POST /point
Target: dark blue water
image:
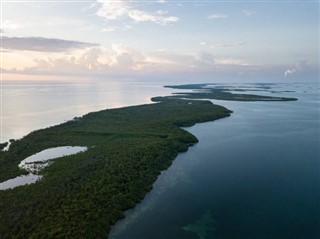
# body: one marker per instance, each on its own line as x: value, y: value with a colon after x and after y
x: 254, y: 175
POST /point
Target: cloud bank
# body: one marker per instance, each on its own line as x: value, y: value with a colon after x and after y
x: 41, y: 44
x: 118, y: 59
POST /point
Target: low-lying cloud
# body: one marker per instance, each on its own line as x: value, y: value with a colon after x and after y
x: 289, y: 72
x: 300, y: 66
x: 41, y: 44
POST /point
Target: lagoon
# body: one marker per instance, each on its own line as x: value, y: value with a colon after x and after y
x: 20, y: 181
x: 30, y: 163
x: 36, y: 162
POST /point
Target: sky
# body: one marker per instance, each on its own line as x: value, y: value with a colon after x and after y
x: 262, y: 40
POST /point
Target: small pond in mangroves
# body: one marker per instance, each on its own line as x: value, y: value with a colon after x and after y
x: 254, y: 175
x: 38, y: 161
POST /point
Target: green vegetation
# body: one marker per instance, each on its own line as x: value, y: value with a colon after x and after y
x: 82, y: 195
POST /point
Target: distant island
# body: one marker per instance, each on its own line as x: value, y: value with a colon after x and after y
x: 82, y: 195
x: 217, y: 92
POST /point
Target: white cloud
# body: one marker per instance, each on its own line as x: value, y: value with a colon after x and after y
x: 289, y: 72
x: 299, y: 67
x: 11, y: 25
x: 141, y: 16
x: 203, y: 43
x: 217, y: 16
x: 92, y: 60
x: 114, y: 10
x: 248, y: 13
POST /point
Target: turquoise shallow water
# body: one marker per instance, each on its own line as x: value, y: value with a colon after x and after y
x: 253, y: 175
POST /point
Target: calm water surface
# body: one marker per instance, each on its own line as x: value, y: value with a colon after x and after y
x: 254, y: 175
x: 20, y: 181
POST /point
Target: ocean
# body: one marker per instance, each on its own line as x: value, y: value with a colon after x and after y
x: 253, y: 175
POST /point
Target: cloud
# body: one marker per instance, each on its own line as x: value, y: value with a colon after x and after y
x: 11, y: 25
x: 41, y: 44
x: 289, y: 72
x: 114, y: 10
x: 122, y: 59
x: 119, y: 59
x: 217, y: 16
x: 141, y: 16
x: 299, y: 67
x: 126, y: 58
x: 248, y: 13
x: 227, y: 45
x: 88, y: 60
